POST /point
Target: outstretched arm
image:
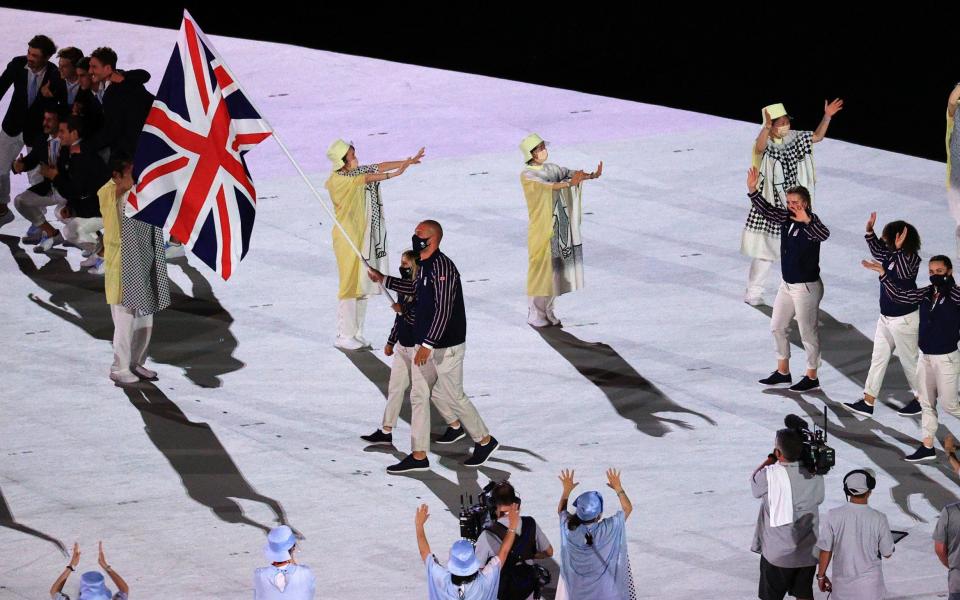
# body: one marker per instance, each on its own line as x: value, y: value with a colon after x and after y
x: 829, y: 110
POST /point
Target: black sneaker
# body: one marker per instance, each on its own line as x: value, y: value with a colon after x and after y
x: 451, y: 435
x: 860, y: 407
x: 923, y: 454
x: 777, y: 378
x: 805, y: 385
x: 408, y: 465
x: 378, y: 437
x: 482, y: 453
x: 912, y: 409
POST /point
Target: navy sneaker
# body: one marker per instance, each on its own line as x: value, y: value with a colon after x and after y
x: 451, y: 435
x: 378, y: 437
x: 408, y: 465
x: 777, y: 378
x: 912, y: 409
x: 923, y: 454
x: 860, y: 407
x: 482, y: 453
x: 805, y: 385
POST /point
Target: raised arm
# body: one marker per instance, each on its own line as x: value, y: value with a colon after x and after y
x: 829, y: 110
x: 769, y: 212
x: 57, y: 586
x: 513, y: 521
x: 566, y: 479
x: 761, y: 144
x: 423, y: 513
x: 117, y: 580
x: 391, y: 169
x: 613, y: 481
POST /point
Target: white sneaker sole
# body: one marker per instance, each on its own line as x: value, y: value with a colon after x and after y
x: 413, y: 470
x: 857, y: 412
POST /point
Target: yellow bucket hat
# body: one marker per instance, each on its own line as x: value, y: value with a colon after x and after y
x: 336, y: 153
x: 776, y: 111
x: 528, y: 144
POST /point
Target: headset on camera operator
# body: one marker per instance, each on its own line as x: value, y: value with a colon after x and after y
x: 520, y: 578
x: 855, y: 537
x: 786, y: 532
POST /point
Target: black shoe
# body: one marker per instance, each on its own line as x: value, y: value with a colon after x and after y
x: 805, y: 385
x: 912, y: 409
x: 923, y: 454
x: 777, y: 378
x: 378, y: 437
x: 408, y: 465
x: 451, y: 435
x: 482, y: 453
x: 860, y: 407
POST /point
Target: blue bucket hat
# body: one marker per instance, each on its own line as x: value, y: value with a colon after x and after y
x: 463, y: 558
x: 589, y: 505
x: 92, y: 587
x: 279, y: 541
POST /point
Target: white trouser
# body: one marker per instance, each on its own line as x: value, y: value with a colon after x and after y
x: 894, y: 333
x: 953, y: 203
x: 131, y: 336
x: 10, y: 147
x: 442, y: 376
x: 82, y: 231
x: 33, y: 206
x: 803, y: 301
x: 401, y: 370
x: 360, y: 317
x: 541, y: 307
x: 757, y: 278
x: 350, y: 315
x: 937, y: 376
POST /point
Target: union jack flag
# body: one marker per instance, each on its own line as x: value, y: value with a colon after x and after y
x: 189, y: 166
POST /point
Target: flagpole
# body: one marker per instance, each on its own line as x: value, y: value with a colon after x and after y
x: 336, y: 223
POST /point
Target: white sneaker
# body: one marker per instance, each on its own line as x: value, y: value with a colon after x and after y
x: 6, y: 217
x: 124, y: 378
x: 174, y: 250
x: 144, y: 373
x: 47, y: 243
x: 754, y: 300
x: 100, y: 268
x: 362, y: 340
x: 538, y: 321
x: 348, y: 343
x: 90, y: 261
x: 552, y: 318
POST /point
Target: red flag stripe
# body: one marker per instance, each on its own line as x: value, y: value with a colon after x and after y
x: 225, y: 258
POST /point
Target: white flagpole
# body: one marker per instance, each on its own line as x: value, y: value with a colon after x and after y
x: 336, y: 223
x: 283, y: 147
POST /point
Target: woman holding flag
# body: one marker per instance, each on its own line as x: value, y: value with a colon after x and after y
x: 355, y: 192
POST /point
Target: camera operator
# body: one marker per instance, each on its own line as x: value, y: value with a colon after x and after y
x: 855, y: 537
x: 786, y: 533
x: 520, y: 578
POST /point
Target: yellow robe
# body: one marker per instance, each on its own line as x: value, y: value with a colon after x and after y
x: 349, y: 205
x: 539, y: 197
x: 110, y: 211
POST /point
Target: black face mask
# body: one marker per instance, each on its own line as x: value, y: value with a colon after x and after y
x: 406, y: 273
x: 942, y: 282
x: 419, y: 243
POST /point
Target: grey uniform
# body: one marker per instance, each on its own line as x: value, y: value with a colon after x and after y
x: 858, y: 536
x: 947, y: 531
x: 790, y: 546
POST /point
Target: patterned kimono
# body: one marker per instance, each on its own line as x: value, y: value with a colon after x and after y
x: 553, y: 238
x: 783, y: 164
x: 359, y: 209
